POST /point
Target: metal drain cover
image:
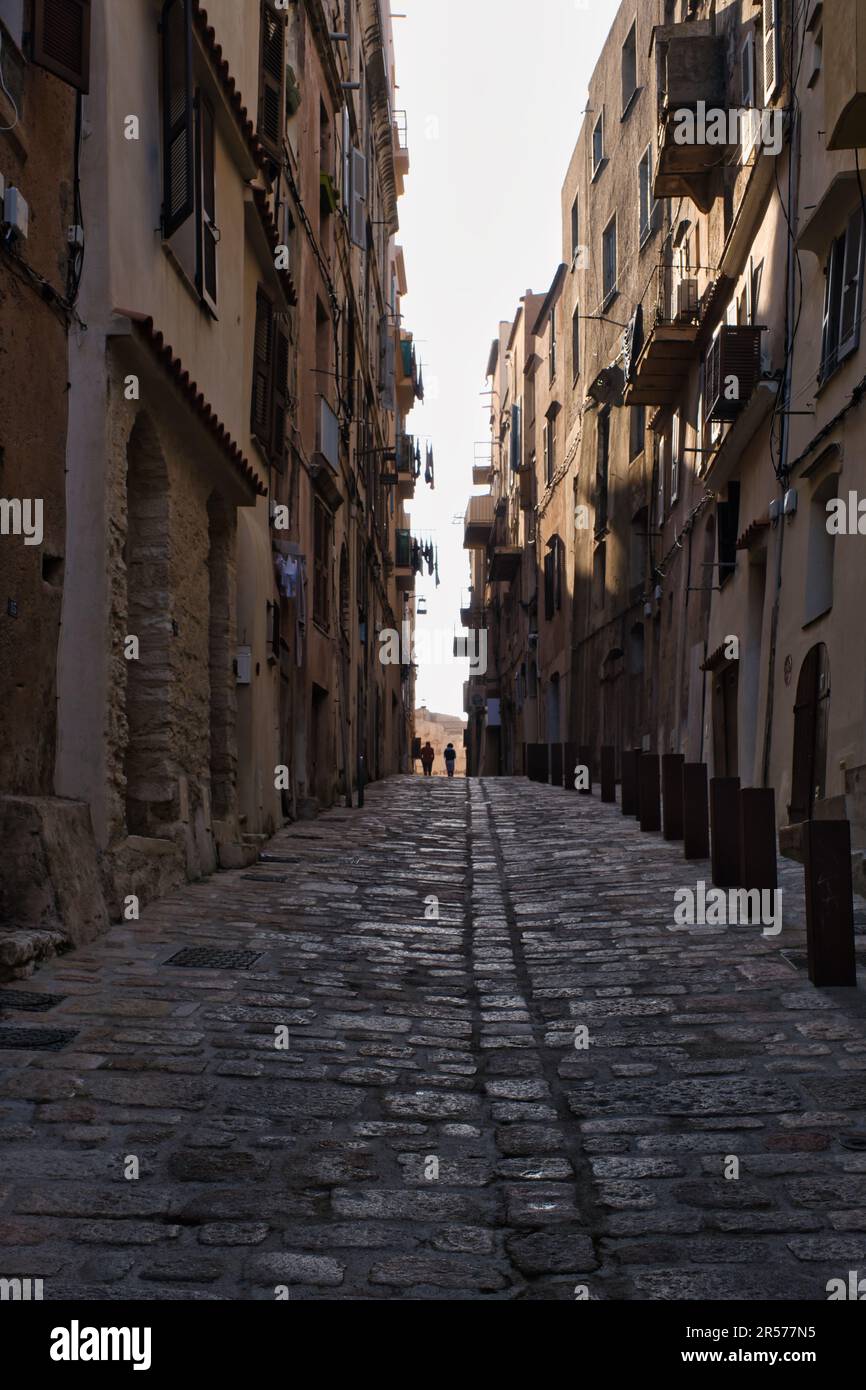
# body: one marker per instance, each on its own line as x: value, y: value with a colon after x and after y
x: 28, y: 1000
x: 35, y: 1039
x: 204, y: 958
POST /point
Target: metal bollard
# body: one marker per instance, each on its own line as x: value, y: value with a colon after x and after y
x: 556, y: 764
x: 608, y: 773
x: 649, y: 792
x: 829, y: 903
x: 629, y: 781
x: 725, y: 828
x: 569, y: 762
x: 584, y: 758
x: 696, y: 820
x: 758, y: 863
x: 672, y: 795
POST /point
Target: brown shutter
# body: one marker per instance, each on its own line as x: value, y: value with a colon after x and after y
x: 61, y: 40
x: 272, y: 80
x: 280, y: 395
x: 178, y: 116
x: 262, y: 350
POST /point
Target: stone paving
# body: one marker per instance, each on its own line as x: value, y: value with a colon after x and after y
x: 390, y: 1103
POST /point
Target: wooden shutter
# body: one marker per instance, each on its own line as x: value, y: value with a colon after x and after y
x: 675, y: 456
x: 262, y: 355
x: 347, y: 161
x: 713, y: 375
x: 209, y: 232
x: 280, y: 395
x: 272, y: 79
x: 852, y: 287
x: 61, y: 40
x: 772, y: 36
x: 359, y: 200
x: 178, y: 116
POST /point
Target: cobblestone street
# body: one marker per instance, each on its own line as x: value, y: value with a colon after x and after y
x: 430, y: 1129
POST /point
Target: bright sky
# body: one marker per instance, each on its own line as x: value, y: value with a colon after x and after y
x: 494, y: 91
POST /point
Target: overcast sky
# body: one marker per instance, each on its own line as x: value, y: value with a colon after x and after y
x: 494, y: 91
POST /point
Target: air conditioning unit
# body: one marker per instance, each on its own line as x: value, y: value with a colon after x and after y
x: 16, y: 213
x: 686, y: 307
x: 733, y: 370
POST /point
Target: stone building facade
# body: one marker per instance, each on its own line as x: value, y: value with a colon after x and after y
x: 231, y: 540
x: 50, y: 890
x: 711, y: 406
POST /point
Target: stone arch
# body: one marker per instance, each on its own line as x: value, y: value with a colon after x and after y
x: 148, y: 766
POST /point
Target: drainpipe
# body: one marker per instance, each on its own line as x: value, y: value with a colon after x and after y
x: 784, y: 441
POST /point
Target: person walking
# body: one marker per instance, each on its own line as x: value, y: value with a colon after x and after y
x: 428, y: 753
x: 450, y: 759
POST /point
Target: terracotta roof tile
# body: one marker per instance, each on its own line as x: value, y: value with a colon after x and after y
x: 172, y: 364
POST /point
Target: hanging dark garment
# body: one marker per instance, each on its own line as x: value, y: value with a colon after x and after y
x: 437, y: 567
x: 428, y: 471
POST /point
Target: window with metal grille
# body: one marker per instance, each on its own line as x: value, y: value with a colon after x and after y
x: 323, y: 525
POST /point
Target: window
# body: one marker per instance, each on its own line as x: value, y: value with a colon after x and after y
x: 608, y: 244
x: 637, y: 431
x: 772, y: 48
x: 843, y: 297
x: 676, y: 429
x: 821, y: 552
x: 662, y: 467
x: 272, y: 79
x: 12, y: 15
x: 728, y: 514
x: 323, y: 524
x: 602, y: 465
x: 598, y: 145
x: 599, y: 574
x: 747, y: 71
x: 270, y: 380
x: 61, y: 37
x: 552, y: 344
x: 516, y: 439
x: 554, y: 564
x: 550, y: 444
x: 575, y: 227
x: 647, y: 203
x: 629, y: 68
x: 189, y: 158
x: 816, y: 60
x: 575, y: 342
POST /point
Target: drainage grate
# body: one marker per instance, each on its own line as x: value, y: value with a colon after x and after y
x: 35, y: 1039
x: 203, y: 958
x: 28, y: 1000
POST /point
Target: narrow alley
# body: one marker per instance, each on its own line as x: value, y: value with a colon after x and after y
x: 379, y: 1085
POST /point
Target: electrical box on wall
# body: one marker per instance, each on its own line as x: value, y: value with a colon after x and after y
x: 244, y: 666
x: 16, y: 212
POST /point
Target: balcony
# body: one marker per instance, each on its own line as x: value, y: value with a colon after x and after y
x: 844, y: 56
x: 505, y: 564
x: 406, y: 467
x: 472, y: 610
x: 478, y: 523
x: 692, y: 145
x: 401, y: 148
x: 407, y: 376
x: 660, y: 355
x: 404, y: 570
x: 482, y: 467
